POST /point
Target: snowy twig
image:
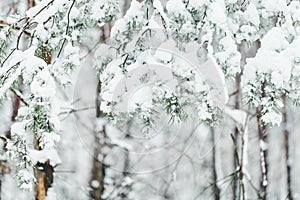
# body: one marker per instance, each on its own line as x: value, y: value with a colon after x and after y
x: 19, y: 96
x: 67, y: 29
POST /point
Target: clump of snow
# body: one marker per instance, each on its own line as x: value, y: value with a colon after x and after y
x: 247, y: 32
x: 175, y: 7
x: 157, y: 5
x: 204, y: 115
x: 263, y: 145
x: 95, y: 184
x: 294, y: 10
x: 272, y: 118
x: 252, y: 15
x: 74, y: 13
x: 31, y: 66
x: 48, y: 11
x: 265, y: 182
x: 102, y: 10
x: 34, y: 10
x: 216, y: 14
x: 274, y: 40
x: 43, y: 84
x: 228, y: 57
x: 275, y: 5
x: 277, y: 79
x: 26, y: 179
x: 49, y: 140
x: 41, y: 32
x: 198, y: 4
x: 141, y: 96
x: 43, y: 155
x: 19, y: 128
x: 267, y: 61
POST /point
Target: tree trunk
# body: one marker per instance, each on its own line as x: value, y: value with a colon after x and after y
x: 238, y: 186
x: 263, y: 149
x: 287, y: 149
x: 216, y: 189
x: 236, y: 141
x: 98, y: 169
x: 39, y: 175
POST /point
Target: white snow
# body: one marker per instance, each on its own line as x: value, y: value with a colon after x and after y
x: 275, y: 5
x: 142, y: 96
x: 43, y: 84
x: 238, y: 116
x: 272, y: 118
x: 34, y: 10
x: 267, y: 61
x: 274, y: 40
x: 43, y: 155
x: 175, y: 7
x: 74, y: 13
x: 19, y: 128
x: 252, y: 15
x: 216, y: 14
x: 265, y: 182
x: 49, y: 140
x: 263, y: 145
x: 51, y: 194
x: 198, y: 4
x: 157, y: 5
x: 95, y: 184
x: 277, y: 79
x: 294, y: 10
x: 98, y: 9
x: 27, y: 178
x: 41, y: 32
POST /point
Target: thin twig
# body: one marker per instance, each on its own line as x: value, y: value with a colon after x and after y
x: 67, y: 29
x: 19, y: 96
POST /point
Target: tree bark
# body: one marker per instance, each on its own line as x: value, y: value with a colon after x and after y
x: 287, y: 149
x: 40, y: 188
x: 238, y: 186
x: 236, y: 140
x: 98, y: 169
x: 216, y: 189
x: 263, y: 140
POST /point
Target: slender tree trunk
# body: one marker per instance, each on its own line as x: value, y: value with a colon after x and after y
x: 238, y: 186
x: 98, y: 169
x: 287, y: 149
x: 236, y: 140
x: 39, y: 175
x: 242, y: 192
x: 263, y: 149
x: 216, y: 189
